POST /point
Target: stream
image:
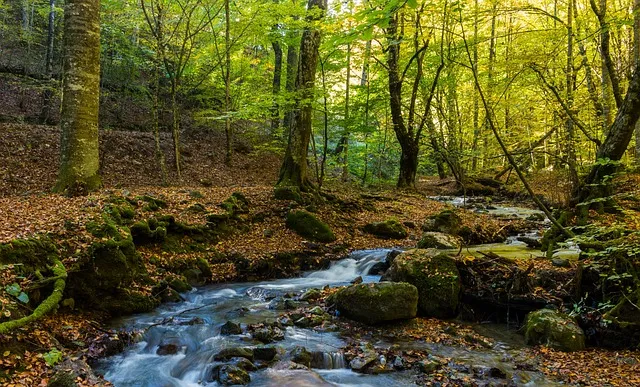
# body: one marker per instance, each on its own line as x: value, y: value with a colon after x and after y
x: 194, y: 326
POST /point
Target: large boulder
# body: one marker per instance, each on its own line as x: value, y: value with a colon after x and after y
x: 438, y: 240
x: 377, y: 302
x: 307, y: 225
x: 391, y: 229
x: 447, y: 221
x: 555, y: 329
x: 436, y: 277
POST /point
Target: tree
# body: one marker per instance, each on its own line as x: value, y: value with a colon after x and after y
x: 294, y: 166
x: 81, y: 94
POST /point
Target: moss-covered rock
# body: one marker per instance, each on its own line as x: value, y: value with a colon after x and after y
x: 287, y: 193
x: 30, y: 254
x: 126, y: 302
x: 151, y: 231
x: 555, y: 329
x: 307, y: 225
x: 436, y: 277
x: 377, y: 302
x: 446, y: 221
x: 438, y: 240
x: 235, y: 204
x: 388, y: 229
x: 179, y: 284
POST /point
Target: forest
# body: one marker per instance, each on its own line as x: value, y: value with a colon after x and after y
x: 319, y: 193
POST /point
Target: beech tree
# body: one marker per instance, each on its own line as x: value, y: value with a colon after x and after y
x: 294, y: 167
x: 80, y: 99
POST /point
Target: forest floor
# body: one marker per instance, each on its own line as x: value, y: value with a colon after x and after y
x: 28, y: 169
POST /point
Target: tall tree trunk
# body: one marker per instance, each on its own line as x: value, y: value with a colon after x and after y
x: 345, y: 134
x: 490, y: 87
x: 291, y: 75
x: 476, y: 102
x: 277, y: 76
x: 636, y: 60
x: 81, y: 94
x: 569, y: 124
x: 614, y: 145
x: 47, y: 95
x: 294, y: 166
x: 175, y: 128
x: 227, y: 83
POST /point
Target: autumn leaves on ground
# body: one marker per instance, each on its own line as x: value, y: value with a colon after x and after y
x: 170, y: 231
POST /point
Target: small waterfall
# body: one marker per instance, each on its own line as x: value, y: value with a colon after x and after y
x: 327, y: 361
x: 357, y: 264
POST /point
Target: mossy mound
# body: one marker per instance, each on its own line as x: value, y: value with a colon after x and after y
x: 287, y: 193
x: 307, y: 225
x: 555, y: 329
x: 446, y: 221
x: 28, y: 255
x: 436, y: 277
x: 391, y: 229
x: 143, y: 233
x: 377, y: 302
x: 235, y: 204
x: 151, y: 203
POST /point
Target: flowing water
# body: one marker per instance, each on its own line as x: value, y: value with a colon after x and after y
x: 194, y: 327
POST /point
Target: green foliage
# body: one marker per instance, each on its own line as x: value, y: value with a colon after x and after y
x: 15, y: 290
x: 53, y: 357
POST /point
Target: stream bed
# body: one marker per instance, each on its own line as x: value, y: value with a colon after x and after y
x: 194, y: 327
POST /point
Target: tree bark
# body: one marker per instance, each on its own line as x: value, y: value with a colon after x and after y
x: 294, y: 166
x: 45, y: 113
x: 291, y: 75
x: 277, y: 77
x: 80, y: 102
x: 636, y: 63
x: 614, y: 146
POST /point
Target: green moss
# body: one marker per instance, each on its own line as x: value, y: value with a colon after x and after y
x: 30, y: 254
x: 307, y: 225
x: 204, y: 267
x: 179, y: 284
x: 235, y: 204
x: 379, y: 302
x: 390, y: 228
x: 436, y: 277
x: 150, y: 231
x: 287, y: 193
x: 555, y: 329
x: 152, y: 204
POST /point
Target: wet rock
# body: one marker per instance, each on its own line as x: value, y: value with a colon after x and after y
x: 429, y: 366
x: 230, y: 328
x: 285, y: 304
x: 560, y: 262
x: 309, y: 322
x: 530, y: 242
x: 265, y: 353
x: 268, y: 335
x: 555, y: 329
x: 485, y: 372
x: 438, y: 240
x: 391, y: 255
x: 357, y: 280
x: 435, y: 276
x: 179, y: 284
x: 359, y: 363
x: 379, y: 268
x: 232, y: 352
x: 391, y: 229
x: 167, y: 349
x: 316, y: 310
x: 398, y: 363
x: 311, y: 295
x: 229, y: 375
x: 66, y: 373
x: 193, y: 321
x: 301, y: 355
x: 377, y: 302
x: 243, y: 363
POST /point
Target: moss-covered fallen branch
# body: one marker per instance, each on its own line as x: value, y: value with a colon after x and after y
x: 46, y: 306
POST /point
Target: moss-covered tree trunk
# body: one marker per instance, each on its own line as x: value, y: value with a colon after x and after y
x: 294, y: 167
x: 614, y: 146
x: 80, y: 100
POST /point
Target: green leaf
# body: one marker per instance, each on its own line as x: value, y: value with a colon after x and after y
x: 13, y: 289
x: 412, y: 3
x: 52, y: 357
x: 23, y: 297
